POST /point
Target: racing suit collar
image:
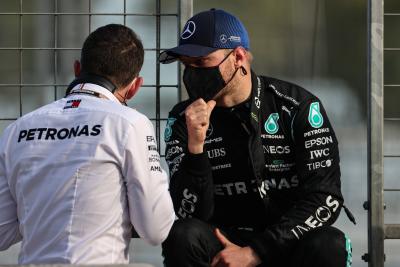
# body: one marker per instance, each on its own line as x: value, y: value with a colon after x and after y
x: 97, y: 89
x: 256, y: 152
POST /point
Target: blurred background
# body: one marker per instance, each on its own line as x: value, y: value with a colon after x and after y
x: 318, y: 44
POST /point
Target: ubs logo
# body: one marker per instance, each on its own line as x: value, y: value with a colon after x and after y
x: 188, y: 30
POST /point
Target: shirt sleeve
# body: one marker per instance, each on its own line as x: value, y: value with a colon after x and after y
x: 320, y: 199
x: 191, y: 184
x: 150, y: 205
x: 9, y: 225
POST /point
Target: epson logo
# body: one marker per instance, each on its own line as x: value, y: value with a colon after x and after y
x: 320, y: 141
x: 277, y: 149
x: 173, y: 150
x: 216, y: 153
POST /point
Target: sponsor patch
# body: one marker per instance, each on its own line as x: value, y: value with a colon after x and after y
x: 213, y: 140
x: 276, y: 149
x: 58, y: 134
x: 319, y: 153
x: 280, y: 167
x: 320, y: 141
x: 188, y: 204
x: 174, y: 163
x: 168, y: 129
x: 320, y: 164
x: 271, y: 125
x: 220, y: 167
x: 314, y: 116
x: 210, y: 130
x: 234, y: 39
x: 188, y: 30
x: 154, y: 157
x: 173, y: 150
x: 230, y: 189
x: 318, y: 131
x: 321, y: 216
x: 216, y: 153
x: 74, y: 103
x: 272, y: 136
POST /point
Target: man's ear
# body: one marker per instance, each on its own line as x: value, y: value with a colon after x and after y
x: 240, y: 56
x: 77, y: 68
x: 137, y: 82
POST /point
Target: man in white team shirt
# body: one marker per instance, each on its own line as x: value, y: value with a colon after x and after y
x: 76, y: 174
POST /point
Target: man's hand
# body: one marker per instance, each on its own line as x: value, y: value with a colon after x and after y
x: 233, y: 255
x: 197, y: 120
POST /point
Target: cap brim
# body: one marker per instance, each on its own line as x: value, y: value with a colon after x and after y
x: 189, y: 50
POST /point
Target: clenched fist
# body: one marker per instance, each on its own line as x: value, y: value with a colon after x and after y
x: 197, y: 120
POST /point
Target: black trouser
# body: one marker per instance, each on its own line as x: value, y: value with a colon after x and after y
x: 192, y: 243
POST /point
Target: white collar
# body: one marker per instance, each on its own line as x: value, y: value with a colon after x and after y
x: 97, y: 89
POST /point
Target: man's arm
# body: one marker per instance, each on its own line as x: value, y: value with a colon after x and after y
x: 9, y: 225
x: 191, y: 182
x: 150, y: 205
x: 320, y: 199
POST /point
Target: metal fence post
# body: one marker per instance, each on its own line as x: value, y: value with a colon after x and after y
x: 185, y: 12
x: 376, y: 255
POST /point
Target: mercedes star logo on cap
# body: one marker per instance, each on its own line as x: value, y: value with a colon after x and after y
x: 189, y: 30
x: 223, y: 38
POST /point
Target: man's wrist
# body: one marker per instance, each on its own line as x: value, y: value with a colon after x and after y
x: 196, y: 148
x: 254, y: 257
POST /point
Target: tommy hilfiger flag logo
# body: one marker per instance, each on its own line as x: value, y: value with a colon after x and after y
x: 72, y: 103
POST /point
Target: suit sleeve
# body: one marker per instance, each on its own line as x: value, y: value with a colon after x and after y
x: 9, y: 224
x: 150, y: 205
x: 319, y: 198
x: 191, y: 184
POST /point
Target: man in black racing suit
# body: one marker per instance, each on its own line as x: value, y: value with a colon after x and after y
x: 253, y: 160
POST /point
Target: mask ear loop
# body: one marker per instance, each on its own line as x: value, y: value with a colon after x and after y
x: 244, y: 71
x: 124, y: 98
x: 233, y: 75
x: 226, y: 57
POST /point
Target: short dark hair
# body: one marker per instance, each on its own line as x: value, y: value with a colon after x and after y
x: 113, y: 51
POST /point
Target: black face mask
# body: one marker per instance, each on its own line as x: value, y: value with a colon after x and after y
x: 204, y: 82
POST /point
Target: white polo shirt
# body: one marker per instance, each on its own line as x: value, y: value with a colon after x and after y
x: 75, y: 175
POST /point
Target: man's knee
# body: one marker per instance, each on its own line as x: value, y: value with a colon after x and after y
x: 326, y: 238
x: 190, y: 242
x: 326, y: 245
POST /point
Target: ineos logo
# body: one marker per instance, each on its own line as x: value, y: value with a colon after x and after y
x: 189, y: 30
x: 323, y: 214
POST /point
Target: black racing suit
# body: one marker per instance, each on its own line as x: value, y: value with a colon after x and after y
x: 270, y: 164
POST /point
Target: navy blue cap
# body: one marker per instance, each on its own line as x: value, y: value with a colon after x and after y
x: 206, y: 32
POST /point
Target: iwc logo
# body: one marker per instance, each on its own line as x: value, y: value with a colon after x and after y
x: 271, y: 125
x: 314, y: 116
x: 188, y: 30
